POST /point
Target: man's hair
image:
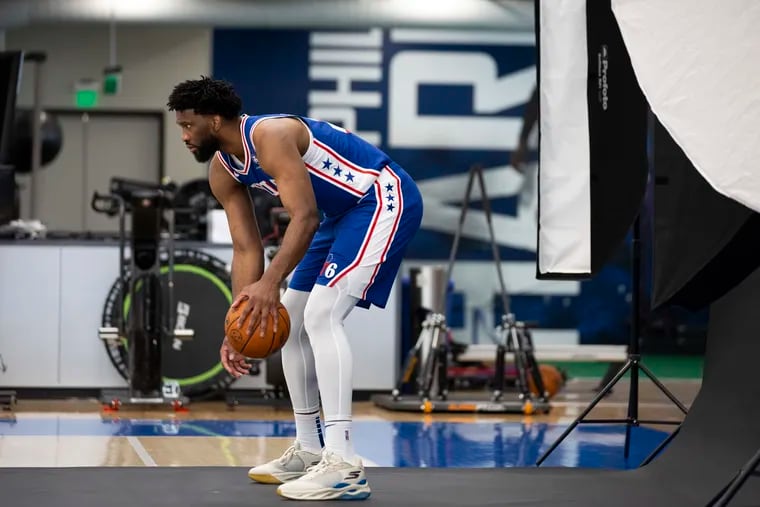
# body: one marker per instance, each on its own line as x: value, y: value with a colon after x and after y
x: 206, y: 96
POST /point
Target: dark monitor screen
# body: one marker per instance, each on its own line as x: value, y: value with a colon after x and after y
x: 8, y: 205
x: 10, y: 77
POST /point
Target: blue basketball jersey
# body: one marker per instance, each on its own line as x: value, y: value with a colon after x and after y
x: 342, y: 166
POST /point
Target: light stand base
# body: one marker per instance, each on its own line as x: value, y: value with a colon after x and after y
x: 634, y: 365
x: 115, y: 399
x: 429, y: 360
x: 462, y: 403
x: 276, y: 397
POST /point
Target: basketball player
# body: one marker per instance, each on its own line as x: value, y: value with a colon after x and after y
x: 352, y: 213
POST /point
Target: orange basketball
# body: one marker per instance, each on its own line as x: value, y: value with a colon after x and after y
x: 552, y: 379
x: 255, y: 345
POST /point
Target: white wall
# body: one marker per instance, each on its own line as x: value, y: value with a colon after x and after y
x: 154, y: 59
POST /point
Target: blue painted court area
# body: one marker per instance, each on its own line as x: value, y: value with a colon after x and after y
x: 399, y: 444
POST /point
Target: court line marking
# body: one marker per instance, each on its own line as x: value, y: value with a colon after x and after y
x: 141, y: 451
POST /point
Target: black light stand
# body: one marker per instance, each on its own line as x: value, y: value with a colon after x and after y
x: 633, y: 364
x: 733, y: 487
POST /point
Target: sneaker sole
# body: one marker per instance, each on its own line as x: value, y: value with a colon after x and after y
x: 265, y: 479
x: 353, y: 493
x: 276, y: 479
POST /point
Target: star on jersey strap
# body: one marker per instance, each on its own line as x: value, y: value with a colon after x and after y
x: 390, y: 197
x: 328, y: 165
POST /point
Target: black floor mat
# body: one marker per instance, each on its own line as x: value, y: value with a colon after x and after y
x: 719, y: 435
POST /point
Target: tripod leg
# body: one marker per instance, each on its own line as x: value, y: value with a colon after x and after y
x: 627, y: 445
x: 429, y: 367
x: 410, y: 364
x: 583, y: 414
x: 460, y: 225
x: 662, y: 388
x: 423, y: 358
x: 660, y: 447
x: 521, y: 362
x: 535, y: 371
x: 498, y: 376
x: 443, y: 377
x: 494, y: 247
x: 736, y: 484
x: 633, y: 405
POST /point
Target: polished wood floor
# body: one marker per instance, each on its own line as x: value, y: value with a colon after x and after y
x: 49, y: 447
x: 574, y: 397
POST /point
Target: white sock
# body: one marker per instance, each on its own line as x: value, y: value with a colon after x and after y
x: 338, y: 438
x: 309, y: 431
x: 323, y: 318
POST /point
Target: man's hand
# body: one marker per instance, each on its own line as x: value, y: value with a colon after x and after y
x: 233, y: 361
x: 262, y: 299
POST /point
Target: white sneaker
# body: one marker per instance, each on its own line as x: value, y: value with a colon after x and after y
x: 289, y: 466
x: 332, y: 479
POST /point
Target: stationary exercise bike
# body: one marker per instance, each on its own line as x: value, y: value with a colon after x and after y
x: 147, y: 325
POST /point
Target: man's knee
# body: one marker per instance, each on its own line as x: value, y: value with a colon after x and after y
x: 294, y: 302
x: 326, y: 308
x: 316, y: 316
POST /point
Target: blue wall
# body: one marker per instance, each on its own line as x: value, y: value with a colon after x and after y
x: 459, y: 84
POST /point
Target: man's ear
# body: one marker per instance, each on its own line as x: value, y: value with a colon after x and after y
x: 216, y: 123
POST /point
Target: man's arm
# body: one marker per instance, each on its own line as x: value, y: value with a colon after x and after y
x: 279, y: 144
x: 247, y: 248
x: 530, y: 116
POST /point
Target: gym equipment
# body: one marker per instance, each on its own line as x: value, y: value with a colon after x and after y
x: 51, y: 139
x: 201, y: 289
x: 634, y: 365
x: 430, y: 354
x: 143, y: 322
x: 192, y: 202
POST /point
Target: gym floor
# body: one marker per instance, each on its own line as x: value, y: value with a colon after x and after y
x: 75, y: 433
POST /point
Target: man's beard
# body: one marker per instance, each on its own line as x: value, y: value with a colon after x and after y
x: 206, y: 150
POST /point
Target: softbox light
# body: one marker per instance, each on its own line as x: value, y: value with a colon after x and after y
x: 704, y: 242
x: 592, y: 138
x: 698, y: 63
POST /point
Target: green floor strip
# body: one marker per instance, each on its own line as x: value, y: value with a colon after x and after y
x: 686, y: 367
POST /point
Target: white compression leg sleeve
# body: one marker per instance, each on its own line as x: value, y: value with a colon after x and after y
x: 323, y: 318
x: 300, y: 374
